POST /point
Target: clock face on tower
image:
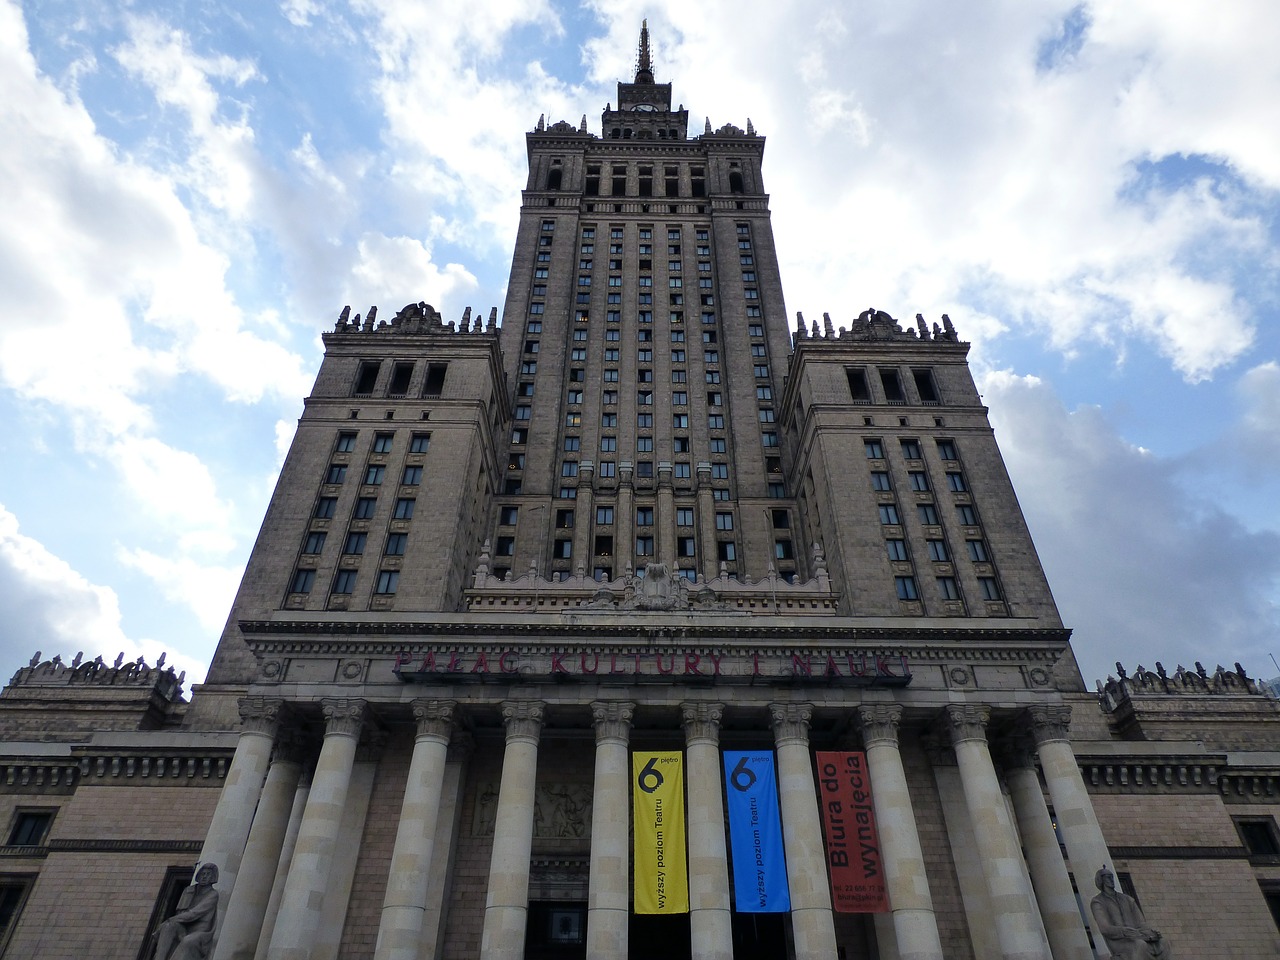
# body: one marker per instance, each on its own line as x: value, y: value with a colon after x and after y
x: 644, y: 108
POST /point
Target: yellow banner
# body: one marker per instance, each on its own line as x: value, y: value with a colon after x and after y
x: 657, y: 790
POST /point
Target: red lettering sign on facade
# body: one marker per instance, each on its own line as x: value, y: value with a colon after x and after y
x: 853, y: 848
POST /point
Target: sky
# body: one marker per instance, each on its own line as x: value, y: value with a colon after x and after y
x: 194, y: 189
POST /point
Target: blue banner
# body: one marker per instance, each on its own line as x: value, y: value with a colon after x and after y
x: 755, y: 833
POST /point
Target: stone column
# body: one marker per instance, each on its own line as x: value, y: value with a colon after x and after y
x: 609, y: 887
x: 232, y: 817
x: 914, y: 923
x: 507, y: 903
x: 1063, y: 924
x: 247, y: 906
x: 812, y: 921
x: 282, y: 866
x: 707, y: 523
x: 583, y: 518
x: 301, y: 904
x: 1014, y: 915
x: 1077, y: 823
x: 405, y: 902
x: 711, y: 932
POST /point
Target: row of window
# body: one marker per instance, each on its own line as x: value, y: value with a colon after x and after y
x: 948, y: 588
x: 891, y: 389
x: 355, y: 543
x: 401, y: 379
x: 382, y: 442
x: 344, y: 582
x: 327, y: 508
x: 928, y: 514
x: 910, y: 449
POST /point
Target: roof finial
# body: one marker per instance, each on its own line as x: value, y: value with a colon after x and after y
x: 644, y: 65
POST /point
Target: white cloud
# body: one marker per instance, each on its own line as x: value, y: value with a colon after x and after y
x: 1141, y: 570
x: 206, y: 589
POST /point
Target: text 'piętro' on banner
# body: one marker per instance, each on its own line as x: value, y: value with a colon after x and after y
x: 657, y: 802
x: 853, y: 849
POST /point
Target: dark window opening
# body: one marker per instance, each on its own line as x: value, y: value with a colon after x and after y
x: 892, y: 386
x: 30, y: 828
x: 367, y: 378
x: 553, y: 179
x: 858, y: 384
x: 1259, y: 836
x: 604, y: 546
x: 924, y: 386
x: 400, y: 376
x: 434, y: 385
x: 176, y: 880
x: 735, y: 182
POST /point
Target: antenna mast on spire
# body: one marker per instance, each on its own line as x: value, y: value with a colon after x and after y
x: 644, y: 63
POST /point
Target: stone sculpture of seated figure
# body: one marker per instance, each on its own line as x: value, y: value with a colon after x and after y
x: 1122, y: 925
x: 188, y: 934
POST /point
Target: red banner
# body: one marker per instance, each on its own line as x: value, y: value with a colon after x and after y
x: 853, y: 849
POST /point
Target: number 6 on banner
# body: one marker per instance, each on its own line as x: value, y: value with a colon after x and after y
x: 649, y: 779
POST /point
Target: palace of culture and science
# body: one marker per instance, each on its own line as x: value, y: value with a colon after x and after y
x: 641, y: 622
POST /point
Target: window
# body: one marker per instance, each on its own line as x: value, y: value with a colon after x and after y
x: 679, y: 398
x: 355, y: 543
x: 955, y: 483
x: 990, y: 589
x: 888, y: 513
x: 937, y: 551
x: 720, y: 496
x: 314, y: 544
x: 508, y: 516
x: 726, y: 550
x: 715, y: 421
x: 374, y: 473
x: 303, y: 581
x: 562, y: 550
x: 388, y: 580
x: 572, y: 443
x: 717, y: 445
x: 396, y: 544
x: 880, y: 480
x: 906, y: 587
x: 644, y: 469
x: 977, y: 551
x: 401, y: 374
x: 858, y: 389
x: 608, y: 397
x: 344, y: 582
x: 569, y: 468
x: 924, y: 386
x: 724, y: 521
x: 777, y: 490
x: 368, y: 376
x: 769, y: 438
x: 766, y: 415
x: 782, y: 550
x: 684, y: 516
x: 365, y: 507
x: 404, y: 508
x: 680, y: 444
x: 644, y: 444
x: 420, y: 443
x: 644, y: 398
x: 919, y: 480
x: 644, y: 516
x: 948, y: 589
x: 755, y: 330
x: 897, y: 549
x: 968, y: 516
x: 715, y: 398
x: 575, y: 396
x: 612, y: 355
x: 686, y: 547
x: 679, y: 376
x: 911, y: 449
x: 644, y: 376
x: 524, y: 412
x: 682, y: 470
x: 680, y: 421
x: 337, y: 473
x: 520, y: 435
x: 346, y: 443
x: 719, y: 471
x: 928, y: 514
x: 764, y: 393
x: 947, y: 450
x: 412, y: 476
x: 1257, y: 833
x: 608, y: 419
x: 13, y: 897
x: 644, y: 546
x: 644, y: 420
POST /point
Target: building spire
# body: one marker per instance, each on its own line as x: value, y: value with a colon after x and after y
x: 644, y: 63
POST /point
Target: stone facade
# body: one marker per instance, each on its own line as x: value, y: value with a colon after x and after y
x: 639, y: 513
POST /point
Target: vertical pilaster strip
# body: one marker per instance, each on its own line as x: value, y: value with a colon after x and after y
x: 1062, y: 921
x: 710, y: 929
x: 608, y: 890
x: 405, y: 902
x: 706, y: 523
x: 1016, y: 921
x: 232, y: 817
x: 507, y: 903
x: 665, y: 517
x: 301, y: 906
x: 914, y: 922
x: 247, y: 906
x: 1078, y: 824
x: 812, y: 921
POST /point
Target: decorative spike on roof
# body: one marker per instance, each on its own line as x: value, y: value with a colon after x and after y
x: 644, y: 62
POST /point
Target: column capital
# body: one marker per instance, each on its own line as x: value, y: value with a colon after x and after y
x: 1049, y: 722
x: 1017, y: 753
x: 260, y: 715
x: 434, y: 718
x: 523, y: 719
x: 291, y: 747
x: 343, y: 717
x: 967, y: 721
x: 612, y: 719
x: 702, y: 721
x: 791, y: 721
x: 938, y: 749
x: 879, y: 722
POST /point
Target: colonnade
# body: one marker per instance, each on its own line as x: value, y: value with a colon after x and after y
x: 276, y: 862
